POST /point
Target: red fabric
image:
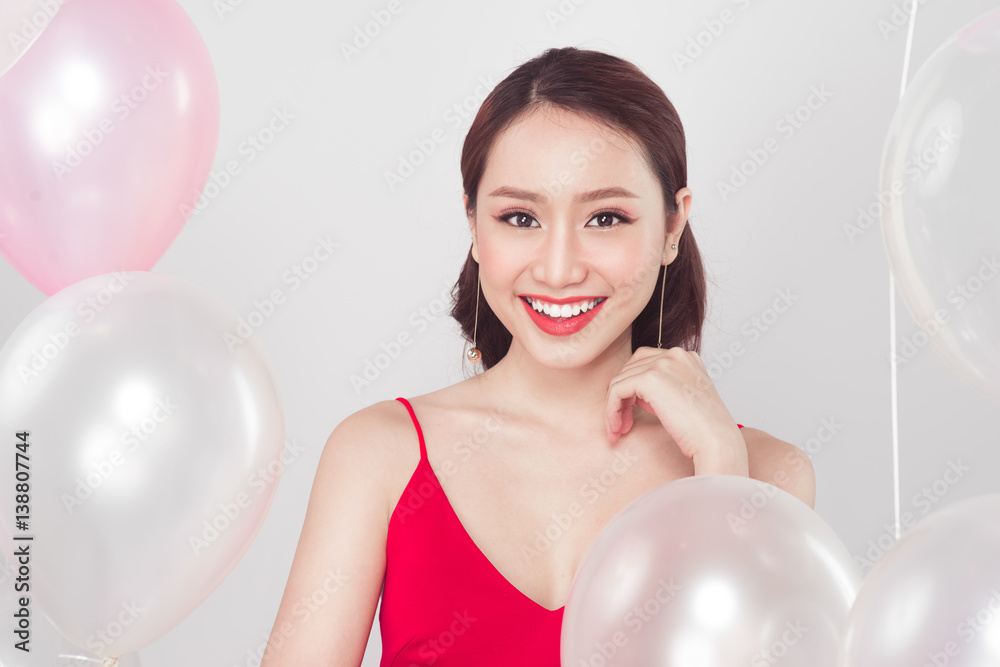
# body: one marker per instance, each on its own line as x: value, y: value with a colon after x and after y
x: 443, y: 601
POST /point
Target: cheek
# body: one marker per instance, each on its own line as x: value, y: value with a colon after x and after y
x: 498, y: 265
x: 635, y: 266
x: 492, y: 258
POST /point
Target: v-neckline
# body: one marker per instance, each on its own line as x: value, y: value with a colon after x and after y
x: 451, y: 509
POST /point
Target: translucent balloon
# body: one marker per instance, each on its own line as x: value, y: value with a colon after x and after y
x: 713, y: 571
x: 153, y: 438
x: 46, y: 647
x: 108, y: 129
x: 934, y: 597
x: 941, y: 219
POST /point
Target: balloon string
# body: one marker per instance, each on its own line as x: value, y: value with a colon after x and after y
x: 892, y: 309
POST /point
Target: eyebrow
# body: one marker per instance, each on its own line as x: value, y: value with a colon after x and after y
x: 593, y: 195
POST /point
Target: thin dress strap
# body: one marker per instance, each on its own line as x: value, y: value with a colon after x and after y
x: 420, y: 434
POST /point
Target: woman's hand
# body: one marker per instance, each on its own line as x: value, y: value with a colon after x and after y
x: 674, y: 385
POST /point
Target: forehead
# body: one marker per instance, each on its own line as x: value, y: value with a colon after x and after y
x: 565, y: 151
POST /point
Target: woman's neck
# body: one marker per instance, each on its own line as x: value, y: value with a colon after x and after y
x: 548, y: 393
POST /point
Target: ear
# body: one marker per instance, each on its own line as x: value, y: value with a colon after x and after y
x: 472, y: 227
x: 676, y: 223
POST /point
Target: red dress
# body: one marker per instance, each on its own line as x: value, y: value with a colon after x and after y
x: 443, y: 601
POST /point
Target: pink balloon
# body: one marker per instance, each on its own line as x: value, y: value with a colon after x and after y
x: 108, y: 131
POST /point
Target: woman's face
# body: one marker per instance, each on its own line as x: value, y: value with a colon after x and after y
x: 568, y: 211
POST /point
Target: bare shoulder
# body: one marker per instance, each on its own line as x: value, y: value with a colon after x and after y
x: 378, y: 443
x: 373, y: 427
x: 780, y: 463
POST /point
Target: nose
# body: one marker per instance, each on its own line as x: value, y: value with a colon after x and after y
x: 559, y: 261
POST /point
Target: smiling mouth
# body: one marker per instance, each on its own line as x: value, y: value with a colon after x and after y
x: 561, y: 313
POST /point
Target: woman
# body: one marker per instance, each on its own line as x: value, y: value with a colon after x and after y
x: 475, y: 504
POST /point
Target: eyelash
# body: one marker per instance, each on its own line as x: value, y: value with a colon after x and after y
x: 508, y: 213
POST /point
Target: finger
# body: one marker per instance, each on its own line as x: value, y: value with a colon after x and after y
x: 688, y: 369
x: 628, y: 416
x: 619, y: 406
x: 631, y: 371
x: 622, y: 420
x: 641, y: 354
x: 645, y: 355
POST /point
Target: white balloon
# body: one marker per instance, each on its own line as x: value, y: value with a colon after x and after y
x: 45, y: 646
x: 713, y: 571
x: 933, y: 598
x: 148, y: 420
x: 941, y: 215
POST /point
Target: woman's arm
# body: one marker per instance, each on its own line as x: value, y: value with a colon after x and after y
x: 723, y: 461
x: 329, y: 603
x: 782, y: 464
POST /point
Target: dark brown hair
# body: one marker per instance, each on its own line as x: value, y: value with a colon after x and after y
x: 614, y: 92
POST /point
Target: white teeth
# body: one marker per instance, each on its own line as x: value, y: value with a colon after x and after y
x: 563, y: 310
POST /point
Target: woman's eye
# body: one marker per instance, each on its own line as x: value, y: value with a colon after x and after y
x: 605, y: 219
x: 518, y: 217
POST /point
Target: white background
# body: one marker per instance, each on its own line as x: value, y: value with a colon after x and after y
x: 824, y: 359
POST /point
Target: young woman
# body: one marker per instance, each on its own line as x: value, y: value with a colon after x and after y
x: 584, y: 297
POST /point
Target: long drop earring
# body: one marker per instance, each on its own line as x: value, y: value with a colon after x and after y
x: 473, y: 354
x: 663, y: 283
